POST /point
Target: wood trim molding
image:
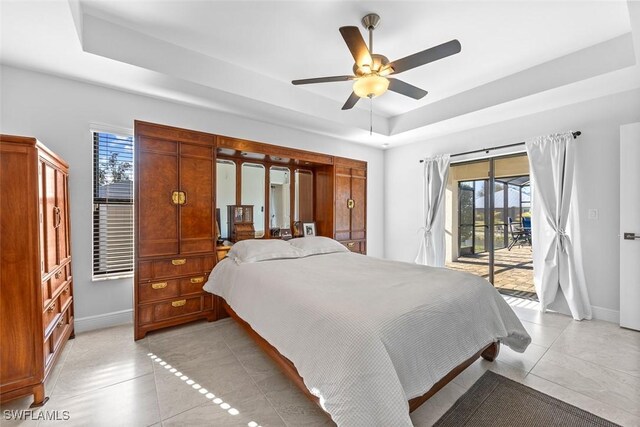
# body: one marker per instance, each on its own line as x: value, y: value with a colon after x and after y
x: 169, y: 132
x: 350, y: 163
x: 274, y: 150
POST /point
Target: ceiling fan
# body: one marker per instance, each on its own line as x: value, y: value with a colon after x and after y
x: 371, y: 70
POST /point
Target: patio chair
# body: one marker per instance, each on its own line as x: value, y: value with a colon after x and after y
x: 519, y: 233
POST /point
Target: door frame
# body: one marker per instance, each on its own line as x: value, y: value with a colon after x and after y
x: 490, y: 202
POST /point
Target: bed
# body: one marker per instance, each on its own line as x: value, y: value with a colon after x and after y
x: 368, y: 339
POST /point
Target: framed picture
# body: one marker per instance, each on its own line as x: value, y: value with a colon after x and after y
x: 309, y: 229
x: 297, y: 229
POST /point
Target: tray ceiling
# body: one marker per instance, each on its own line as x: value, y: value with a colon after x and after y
x: 241, y: 56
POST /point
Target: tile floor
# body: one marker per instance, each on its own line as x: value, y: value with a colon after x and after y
x: 513, y: 268
x: 105, y: 378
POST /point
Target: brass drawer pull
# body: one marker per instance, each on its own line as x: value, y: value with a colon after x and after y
x: 351, y: 203
x: 179, y: 197
x: 197, y: 279
x: 351, y: 244
x: 65, y: 291
x: 160, y: 285
x: 53, y: 307
x: 179, y: 303
x: 181, y: 261
x: 60, y: 323
x: 57, y: 275
x: 57, y: 219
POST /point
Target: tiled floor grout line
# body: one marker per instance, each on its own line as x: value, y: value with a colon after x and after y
x: 581, y: 394
x: 256, y: 384
x: 62, y: 367
x: 93, y: 390
x: 530, y: 372
x: 595, y: 363
x: 162, y: 420
x: 550, y: 345
x: 228, y: 339
x: 155, y: 383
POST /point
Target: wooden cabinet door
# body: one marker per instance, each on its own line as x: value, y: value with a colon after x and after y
x: 50, y: 217
x: 197, y: 227
x: 62, y: 220
x: 157, y: 215
x: 20, y: 359
x: 359, y: 211
x: 343, y: 194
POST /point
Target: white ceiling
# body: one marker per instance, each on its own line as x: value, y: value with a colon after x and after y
x: 245, y: 54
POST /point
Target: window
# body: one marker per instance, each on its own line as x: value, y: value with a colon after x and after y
x: 112, y: 205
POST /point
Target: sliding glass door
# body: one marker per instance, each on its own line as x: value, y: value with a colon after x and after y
x: 493, y: 204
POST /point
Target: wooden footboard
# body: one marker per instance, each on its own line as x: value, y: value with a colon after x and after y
x: 489, y: 352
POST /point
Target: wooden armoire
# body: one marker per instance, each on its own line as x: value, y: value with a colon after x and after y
x: 36, y: 292
x: 175, y: 206
x: 174, y: 225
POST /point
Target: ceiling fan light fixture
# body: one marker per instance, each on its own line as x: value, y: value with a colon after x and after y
x: 370, y: 86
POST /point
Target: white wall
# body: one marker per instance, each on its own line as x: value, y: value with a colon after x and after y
x: 59, y: 112
x: 597, y: 172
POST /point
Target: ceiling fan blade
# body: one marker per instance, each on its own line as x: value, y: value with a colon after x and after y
x: 429, y: 55
x: 356, y: 45
x: 406, y: 89
x: 323, y: 80
x: 351, y: 101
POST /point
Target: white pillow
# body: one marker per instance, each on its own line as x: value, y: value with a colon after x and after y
x: 254, y: 250
x: 316, y: 245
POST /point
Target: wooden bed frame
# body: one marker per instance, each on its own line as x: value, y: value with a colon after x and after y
x: 490, y: 352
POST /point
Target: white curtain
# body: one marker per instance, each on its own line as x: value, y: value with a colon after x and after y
x: 557, y: 259
x: 432, y: 243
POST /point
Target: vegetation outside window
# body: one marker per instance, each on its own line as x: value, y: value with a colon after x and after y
x: 112, y: 205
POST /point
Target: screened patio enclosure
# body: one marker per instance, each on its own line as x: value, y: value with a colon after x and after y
x: 483, y: 196
x: 512, y: 199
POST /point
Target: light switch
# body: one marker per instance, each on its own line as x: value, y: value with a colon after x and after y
x: 592, y: 214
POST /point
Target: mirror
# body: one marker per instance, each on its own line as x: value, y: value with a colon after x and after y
x: 225, y: 192
x: 279, y: 198
x: 253, y: 186
x: 303, y: 196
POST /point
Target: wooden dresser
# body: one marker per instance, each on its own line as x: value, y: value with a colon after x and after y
x: 174, y: 225
x: 36, y: 292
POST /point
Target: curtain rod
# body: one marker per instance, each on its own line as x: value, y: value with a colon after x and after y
x: 486, y: 150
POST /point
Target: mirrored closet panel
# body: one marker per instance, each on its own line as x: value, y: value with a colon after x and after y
x: 279, y: 197
x: 253, y: 194
x: 225, y: 193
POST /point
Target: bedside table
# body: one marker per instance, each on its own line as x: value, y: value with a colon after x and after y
x: 221, y: 252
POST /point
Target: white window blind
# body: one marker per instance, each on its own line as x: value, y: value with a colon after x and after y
x: 112, y: 205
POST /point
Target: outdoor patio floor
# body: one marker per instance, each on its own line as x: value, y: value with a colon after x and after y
x: 513, y: 269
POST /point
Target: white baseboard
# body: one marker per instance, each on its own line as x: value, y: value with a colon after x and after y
x: 606, y: 314
x: 105, y: 320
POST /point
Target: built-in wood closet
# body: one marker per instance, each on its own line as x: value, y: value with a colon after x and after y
x: 174, y: 226
x: 36, y: 291
x: 175, y: 211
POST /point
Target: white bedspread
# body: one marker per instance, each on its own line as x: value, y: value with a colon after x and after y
x: 366, y: 334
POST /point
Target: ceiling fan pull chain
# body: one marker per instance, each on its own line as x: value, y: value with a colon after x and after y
x: 370, y: 115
